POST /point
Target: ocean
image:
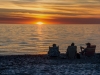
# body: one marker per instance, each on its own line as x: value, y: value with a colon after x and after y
x: 19, y: 39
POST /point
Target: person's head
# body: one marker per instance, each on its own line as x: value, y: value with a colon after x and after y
x: 54, y: 45
x: 72, y: 44
x: 88, y: 44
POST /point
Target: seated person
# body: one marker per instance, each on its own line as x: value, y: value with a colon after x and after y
x: 85, y: 49
x: 54, y: 51
x: 71, y: 51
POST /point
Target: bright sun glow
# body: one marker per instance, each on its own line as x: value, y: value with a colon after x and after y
x: 39, y: 23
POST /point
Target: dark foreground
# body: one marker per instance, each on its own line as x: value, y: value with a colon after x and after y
x: 44, y: 65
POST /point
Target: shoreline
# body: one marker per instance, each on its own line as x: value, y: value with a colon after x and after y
x: 43, y: 65
x: 44, y: 58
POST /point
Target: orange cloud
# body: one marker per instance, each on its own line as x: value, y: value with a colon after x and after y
x: 53, y: 11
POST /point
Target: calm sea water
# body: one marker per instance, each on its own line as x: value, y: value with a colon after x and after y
x: 35, y: 39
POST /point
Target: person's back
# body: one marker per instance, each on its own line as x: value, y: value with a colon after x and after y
x: 54, y: 51
x: 72, y: 51
x: 90, y: 50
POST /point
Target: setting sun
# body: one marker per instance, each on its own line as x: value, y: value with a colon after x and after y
x: 39, y: 23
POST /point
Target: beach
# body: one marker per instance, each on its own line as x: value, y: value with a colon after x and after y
x: 33, y: 30
x: 23, y: 49
x: 44, y: 65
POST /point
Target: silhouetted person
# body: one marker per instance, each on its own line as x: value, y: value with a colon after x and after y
x: 54, y: 51
x: 71, y: 51
x: 85, y: 49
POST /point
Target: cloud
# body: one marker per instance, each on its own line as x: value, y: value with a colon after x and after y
x: 49, y: 9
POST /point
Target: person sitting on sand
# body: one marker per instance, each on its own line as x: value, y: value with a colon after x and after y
x: 85, y: 49
x: 54, y: 50
x: 72, y: 51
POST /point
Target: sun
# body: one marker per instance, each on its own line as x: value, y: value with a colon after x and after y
x: 39, y: 23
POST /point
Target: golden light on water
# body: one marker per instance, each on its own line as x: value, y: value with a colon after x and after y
x: 39, y: 23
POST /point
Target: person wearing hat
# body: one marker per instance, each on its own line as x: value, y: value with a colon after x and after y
x: 85, y: 49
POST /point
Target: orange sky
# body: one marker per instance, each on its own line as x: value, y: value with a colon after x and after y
x: 50, y: 11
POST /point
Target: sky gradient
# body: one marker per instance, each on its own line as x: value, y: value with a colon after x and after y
x: 50, y: 11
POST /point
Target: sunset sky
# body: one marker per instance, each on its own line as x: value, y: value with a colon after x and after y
x: 50, y: 11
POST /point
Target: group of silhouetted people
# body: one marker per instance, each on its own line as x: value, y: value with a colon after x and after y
x: 72, y: 50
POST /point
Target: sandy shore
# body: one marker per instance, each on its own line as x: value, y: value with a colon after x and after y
x: 44, y: 65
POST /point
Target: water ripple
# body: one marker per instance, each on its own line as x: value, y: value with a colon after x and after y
x: 33, y: 39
